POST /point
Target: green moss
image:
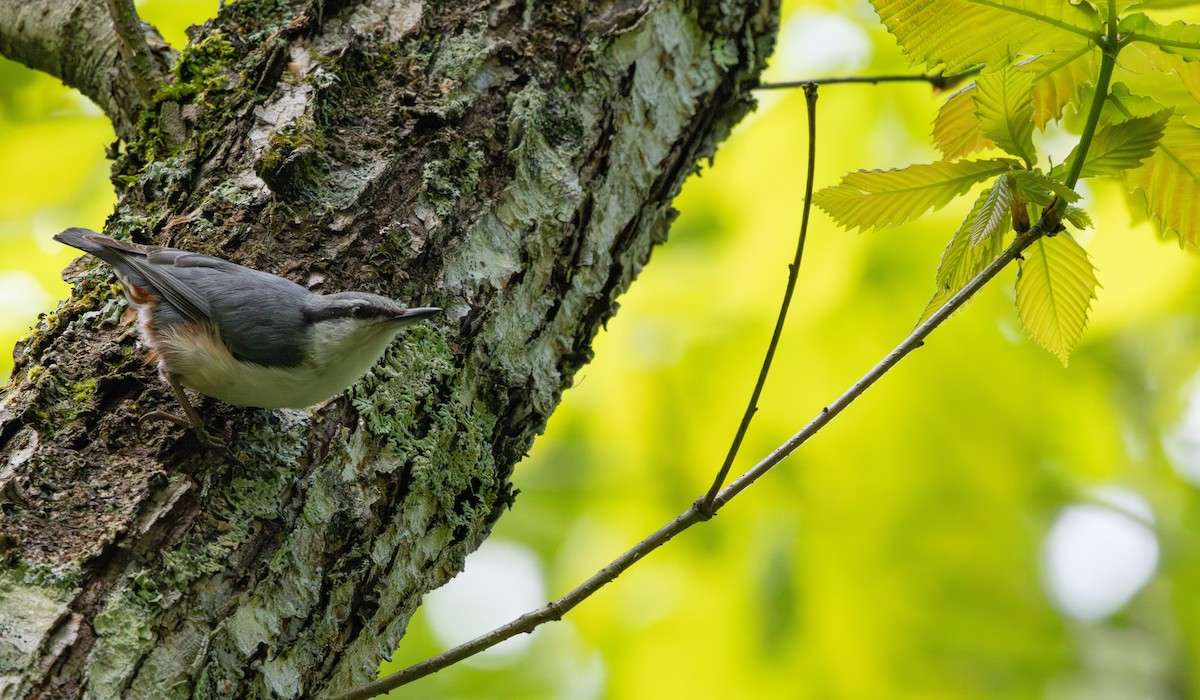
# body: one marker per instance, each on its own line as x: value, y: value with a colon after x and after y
x: 294, y: 164
x: 83, y: 391
x: 34, y: 372
x: 201, y: 67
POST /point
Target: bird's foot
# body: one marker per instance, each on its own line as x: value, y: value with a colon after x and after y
x: 206, y: 438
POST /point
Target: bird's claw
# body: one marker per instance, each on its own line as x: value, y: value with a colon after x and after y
x: 206, y: 438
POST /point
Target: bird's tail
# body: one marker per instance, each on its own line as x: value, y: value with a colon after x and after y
x: 121, y: 255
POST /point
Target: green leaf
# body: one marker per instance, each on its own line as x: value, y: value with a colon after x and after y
x: 874, y: 198
x: 1058, y: 78
x: 1170, y: 180
x: 1179, y: 38
x: 956, y: 130
x: 1040, y: 189
x: 1122, y: 5
x: 1055, y: 287
x: 1077, y: 217
x: 1004, y: 105
x: 961, y: 260
x: 1157, y: 4
x: 1171, y: 79
x: 960, y: 34
x: 992, y: 215
x: 1117, y: 148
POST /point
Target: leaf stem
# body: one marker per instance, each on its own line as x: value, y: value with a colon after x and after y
x: 705, y: 503
x: 1108, y: 62
x: 556, y: 609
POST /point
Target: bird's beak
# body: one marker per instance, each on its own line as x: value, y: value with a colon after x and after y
x: 418, y: 313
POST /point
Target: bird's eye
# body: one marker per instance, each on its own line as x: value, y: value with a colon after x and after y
x: 356, y: 311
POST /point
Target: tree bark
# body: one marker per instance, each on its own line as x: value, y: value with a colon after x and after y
x: 511, y: 162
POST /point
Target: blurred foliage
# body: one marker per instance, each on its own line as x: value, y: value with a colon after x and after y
x: 900, y: 554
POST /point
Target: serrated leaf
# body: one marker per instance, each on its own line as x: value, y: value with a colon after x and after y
x: 1170, y: 180
x: 1040, y: 189
x: 961, y: 260
x: 874, y: 198
x: 1077, y: 217
x: 1121, y: 6
x: 1058, y: 78
x: 1004, y: 105
x: 956, y: 130
x: 1160, y: 4
x: 1055, y: 287
x: 960, y: 34
x: 1179, y: 38
x: 991, y: 215
x: 1117, y: 148
x: 1171, y: 79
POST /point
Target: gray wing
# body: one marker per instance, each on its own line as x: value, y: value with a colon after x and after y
x: 259, y: 316
x: 145, y: 266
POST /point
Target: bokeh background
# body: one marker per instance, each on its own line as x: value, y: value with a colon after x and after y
x: 982, y: 524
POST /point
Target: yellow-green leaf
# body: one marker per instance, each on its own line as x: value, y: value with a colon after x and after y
x: 956, y: 130
x: 961, y: 260
x: 1057, y: 79
x: 993, y: 214
x: 1179, y: 38
x: 1118, y: 148
x: 1170, y: 78
x: 1039, y: 189
x: 1077, y: 217
x: 1170, y: 182
x: 1004, y: 105
x: 1055, y: 287
x: 874, y: 198
x: 960, y: 34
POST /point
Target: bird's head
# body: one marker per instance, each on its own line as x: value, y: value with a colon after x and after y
x: 350, y: 317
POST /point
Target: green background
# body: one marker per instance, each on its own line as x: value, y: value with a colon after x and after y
x: 902, y: 553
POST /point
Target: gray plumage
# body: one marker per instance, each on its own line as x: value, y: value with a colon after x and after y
x: 244, y: 336
x: 242, y: 303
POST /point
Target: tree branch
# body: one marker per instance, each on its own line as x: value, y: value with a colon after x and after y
x: 694, y: 514
x: 76, y: 42
x: 810, y: 97
x: 936, y: 80
x: 139, y: 62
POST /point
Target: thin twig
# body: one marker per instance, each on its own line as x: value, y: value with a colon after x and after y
x: 555, y: 610
x: 139, y: 61
x: 705, y: 504
x: 936, y: 80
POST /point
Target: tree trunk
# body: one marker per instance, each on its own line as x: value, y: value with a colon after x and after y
x: 511, y: 162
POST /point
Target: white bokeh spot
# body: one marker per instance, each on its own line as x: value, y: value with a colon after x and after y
x: 816, y: 41
x: 1097, y: 557
x: 501, y: 581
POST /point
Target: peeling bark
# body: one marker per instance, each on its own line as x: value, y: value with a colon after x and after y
x: 513, y: 163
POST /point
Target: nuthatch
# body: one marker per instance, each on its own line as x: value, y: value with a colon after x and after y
x: 243, y: 336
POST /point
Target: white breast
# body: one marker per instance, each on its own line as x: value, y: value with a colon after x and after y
x: 202, y: 362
